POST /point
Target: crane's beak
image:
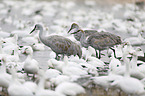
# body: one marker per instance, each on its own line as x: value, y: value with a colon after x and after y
x: 74, y: 33
x: 69, y: 30
x: 77, y: 32
x: 33, y: 30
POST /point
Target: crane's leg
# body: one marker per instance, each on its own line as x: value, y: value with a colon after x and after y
x: 98, y: 54
x: 113, y: 51
x: 56, y: 56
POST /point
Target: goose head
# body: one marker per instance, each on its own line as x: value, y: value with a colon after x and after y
x: 74, y: 28
x: 137, y: 52
x: 28, y: 50
x: 140, y: 52
x: 37, y: 27
x: 127, y: 43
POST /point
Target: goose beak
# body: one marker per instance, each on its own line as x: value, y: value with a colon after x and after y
x: 33, y: 30
x: 131, y: 53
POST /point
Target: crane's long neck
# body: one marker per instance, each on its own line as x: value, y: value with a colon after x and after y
x: 83, y: 40
x: 43, y: 37
x: 134, y: 61
x: 41, y: 34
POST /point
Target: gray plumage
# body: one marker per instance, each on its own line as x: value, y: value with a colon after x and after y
x: 59, y: 44
x: 75, y: 28
x: 97, y: 40
x: 103, y: 40
x: 87, y: 33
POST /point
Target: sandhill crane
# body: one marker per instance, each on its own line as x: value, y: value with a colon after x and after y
x: 98, y: 40
x: 59, y: 44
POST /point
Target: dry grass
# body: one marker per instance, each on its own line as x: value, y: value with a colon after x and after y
x: 3, y: 94
x: 98, y: 91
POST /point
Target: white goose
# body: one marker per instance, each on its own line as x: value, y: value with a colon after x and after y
x: 29, y: 40
x: 31, y: 86
x: 23, y: 49
x: 44, y: 92
x: 59, y: 65
x: 90, y: 69
x: 69, y: 88
x: 9, y: 47
x: 38, y: 47
x: 136, y: 71
x: 14, y: 57
x: 31, y: 66
x: 5, y: 78
x: 52, y: 73
x: 114, y: 63
x: 87, y: 53
x: 136, y: 40
x: 128, y: 84
x: 56, y: 64
x: 12, y: 40
x: 118, y: 68
x: 16, y: 88
x: 60, y: 79
x: 70, y: 70
x: 95, y: 62
x: 105, y: 81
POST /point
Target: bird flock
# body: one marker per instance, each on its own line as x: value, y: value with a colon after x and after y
x: 72, y: 64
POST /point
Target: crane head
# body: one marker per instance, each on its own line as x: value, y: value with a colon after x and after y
x: 37, y: 27
x: 74, y: 28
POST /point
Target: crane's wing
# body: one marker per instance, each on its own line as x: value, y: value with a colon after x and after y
x: 103, y: 40
x: 90, y: 32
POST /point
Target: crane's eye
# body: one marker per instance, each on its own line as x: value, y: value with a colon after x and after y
x: 139, y: 49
